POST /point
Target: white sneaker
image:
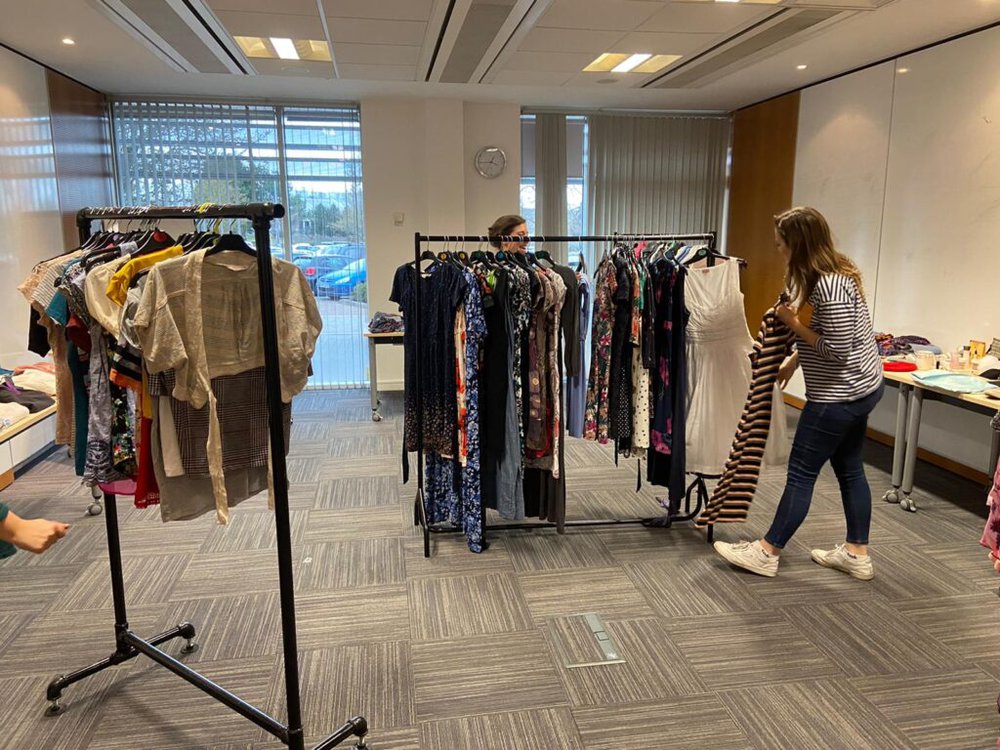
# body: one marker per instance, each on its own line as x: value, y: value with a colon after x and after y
x: 749, y: 556
x: 840, y: 559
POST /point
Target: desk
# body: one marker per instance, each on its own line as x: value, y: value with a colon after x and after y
x: 908, y: 412
x: 374, y: 339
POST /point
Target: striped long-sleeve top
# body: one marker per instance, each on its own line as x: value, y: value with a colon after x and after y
x: 844, y: 363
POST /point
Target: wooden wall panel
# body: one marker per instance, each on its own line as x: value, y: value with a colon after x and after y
x: 81, y: 138
x: 763, y: 175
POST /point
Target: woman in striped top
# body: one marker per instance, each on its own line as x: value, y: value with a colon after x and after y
x: 843, y: 375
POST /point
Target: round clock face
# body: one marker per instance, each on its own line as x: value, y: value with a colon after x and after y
x: 491, y: 161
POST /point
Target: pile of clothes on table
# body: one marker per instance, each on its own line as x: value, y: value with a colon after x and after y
x: 891, y: 346
x: 385, y: 323
x: 25, y: 390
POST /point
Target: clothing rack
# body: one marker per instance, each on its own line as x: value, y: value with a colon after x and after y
x: 128, y: 644
x: 697, y: 488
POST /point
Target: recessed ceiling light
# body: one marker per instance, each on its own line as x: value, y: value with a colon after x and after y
x: 801, y: 67
x: 727, y: 1
x: 605, y: 63
x: 285, y: 48
x: 631, y: 62
x: 902, y: 70
x: 68, y: 41
x: 267, y: 49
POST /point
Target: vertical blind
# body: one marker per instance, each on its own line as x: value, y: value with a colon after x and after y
x: 656, y: 174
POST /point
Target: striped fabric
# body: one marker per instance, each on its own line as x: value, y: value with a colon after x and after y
x: 844, y: 365
x: 733, y: 494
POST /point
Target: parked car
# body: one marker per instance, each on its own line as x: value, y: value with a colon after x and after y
x: 341, y: 283
x: 303, y: 250
x: 326, y: 259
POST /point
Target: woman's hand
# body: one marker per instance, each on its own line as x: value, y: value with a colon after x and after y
x: 789, y: 315
x: 36, y: 535
x: 787, y: 370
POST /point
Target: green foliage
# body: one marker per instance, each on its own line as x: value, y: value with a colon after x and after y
x: 360, y: 292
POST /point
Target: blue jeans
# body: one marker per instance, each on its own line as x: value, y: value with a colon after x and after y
x: 833, y: 432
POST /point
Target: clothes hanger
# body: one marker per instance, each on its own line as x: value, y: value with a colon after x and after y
x: 231, y: 242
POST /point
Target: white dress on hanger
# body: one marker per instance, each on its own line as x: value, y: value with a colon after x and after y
x: 718, y: 364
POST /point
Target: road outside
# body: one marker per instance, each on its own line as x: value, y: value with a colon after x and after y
x: 341, y: 358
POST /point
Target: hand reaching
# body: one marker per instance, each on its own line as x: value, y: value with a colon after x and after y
x: 38, y: 534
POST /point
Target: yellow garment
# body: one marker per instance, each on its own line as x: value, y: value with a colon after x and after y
x: 118, y: 286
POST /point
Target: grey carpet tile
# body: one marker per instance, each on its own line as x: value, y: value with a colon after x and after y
x: 156, y: 710
x: 148, y: 579
x: 11, y: 626
x: 459, y: 606
x: 743, y: 648
x: 871, y: 638
x: 344, y: 565
x: 228, y: 627
x: 450, y: 556
x: 827, y: 530
x: 641, y: 544
x: 228, y: 574
x: 302, y: 496
x: 363, y: 446
x: 907, y: 572
x: 83, y: 544
x: 551, y: 551
x: 367, y: 679
x: 60, y: 642
x: 970, y: 560
x: 143, y: 536
x: 801, y: 581
x: 818, y: 714
x: 249, y: 530
x: 405, y: 738
x: 332, y: 618
x: 25, y: 726
x: 617, y: 501
x: 365, y: 492
x: 946, y: 524
x: 36, y: 589
x: 606, y: 591
x: 552, y: 729
x: 487, y: 674
x: 680, y: 723
x: 373, y: 465
x: 955, y: 709
x: 654, y: 667
x: 966, y: 624
x: 990, y: 667
x: 690, y: 586
x: 360, y: 523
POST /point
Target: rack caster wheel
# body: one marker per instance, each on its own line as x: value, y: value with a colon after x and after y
x: 190, y: 647
x: 55, y: 708
x: 376, y: 417
x: 95, y: 509
x: 908, y: 503
x: 891, y: 496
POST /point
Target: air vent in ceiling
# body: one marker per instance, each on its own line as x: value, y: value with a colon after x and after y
x: 480, y: 27
x: 778, y: 32
x: 185, y: 34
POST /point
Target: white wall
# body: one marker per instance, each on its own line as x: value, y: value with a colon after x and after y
x: 907, y: 168
x: 29, y: 203
x: 417, y: 160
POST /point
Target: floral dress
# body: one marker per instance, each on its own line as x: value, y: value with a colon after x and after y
x: 595, y: 420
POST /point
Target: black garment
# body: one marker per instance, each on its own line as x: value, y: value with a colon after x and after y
x: 620, y: 385
x: 669, y: 395
x: 35, y: 400
x: 441, y: 292
x: 570, y: 322
x: 38, y: 336
x: 494, y: 387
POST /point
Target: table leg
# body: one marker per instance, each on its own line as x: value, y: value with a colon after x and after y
x: 899, y: 443
x: 373, y: 378
x: 912, y: 437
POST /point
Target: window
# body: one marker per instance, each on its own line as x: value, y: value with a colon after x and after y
x: 306, y: 158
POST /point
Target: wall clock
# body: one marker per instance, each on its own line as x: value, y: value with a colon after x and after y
x: 490, y: 161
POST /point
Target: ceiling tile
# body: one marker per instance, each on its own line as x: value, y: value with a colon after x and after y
x: 367, y: 31
x: 619, y: 80
x: 378, y: 72
x: 612, y: 15
x: 293, y: 68
x: 569, y: 40
x: 530, y: 78
x: 554, y: 62
x: 292, y: 7
x: 273, y: 24
x: 376, y: 54
x: 663, y: 44
x: 388, y: 10
x: 709, y: 18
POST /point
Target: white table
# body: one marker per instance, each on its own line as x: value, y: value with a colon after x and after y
x: 374, y: 339
x: 909, y: 407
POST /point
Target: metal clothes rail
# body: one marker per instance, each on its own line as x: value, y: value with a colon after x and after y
x: 129, y: 645
x: 697, y: 488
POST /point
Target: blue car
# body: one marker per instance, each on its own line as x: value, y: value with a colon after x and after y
x: 339, y: 284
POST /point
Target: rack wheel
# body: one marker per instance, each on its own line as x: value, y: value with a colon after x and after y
x: 908, y: 503
x: 95, y: 492
x: 361, y: 744
x: 892, y: 496
x: 95, y: 509
x: 190, y: 647
x: 376, y: 417
x: 55, y: 708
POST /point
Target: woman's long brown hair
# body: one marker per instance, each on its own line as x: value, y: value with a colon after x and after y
x: 813, y: 255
